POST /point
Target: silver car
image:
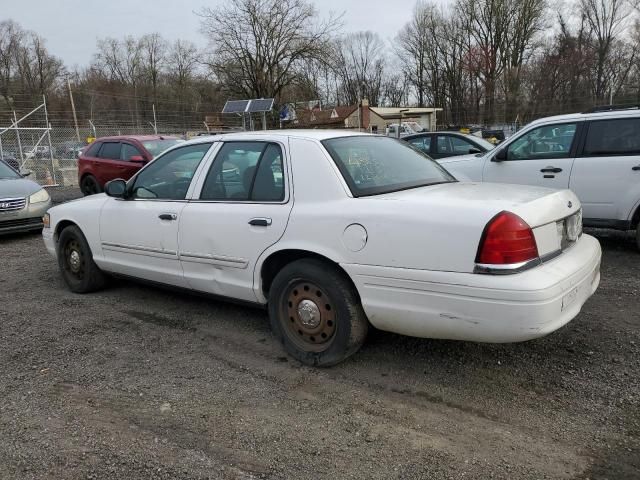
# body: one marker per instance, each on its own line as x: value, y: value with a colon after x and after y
x: 22, y: 202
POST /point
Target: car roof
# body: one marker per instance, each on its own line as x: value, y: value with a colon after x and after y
x: 581, y: 117
x: 136, y: 137
x: 319, y: 134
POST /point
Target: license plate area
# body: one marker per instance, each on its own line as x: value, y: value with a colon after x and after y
x: 570, y: 229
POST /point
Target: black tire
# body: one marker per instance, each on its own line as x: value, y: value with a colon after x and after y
x: 89, y: 185
x: 315, y: 312
x: 638, y: 237
x: 75, y: 260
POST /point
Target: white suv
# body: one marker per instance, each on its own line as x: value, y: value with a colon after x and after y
x: 596, y: 154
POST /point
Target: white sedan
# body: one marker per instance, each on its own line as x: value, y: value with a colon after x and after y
x: 334, y: 231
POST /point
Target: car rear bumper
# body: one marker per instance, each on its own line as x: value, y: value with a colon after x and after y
x: 482, y: 308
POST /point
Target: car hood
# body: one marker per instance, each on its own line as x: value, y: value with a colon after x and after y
x: 17, y: 187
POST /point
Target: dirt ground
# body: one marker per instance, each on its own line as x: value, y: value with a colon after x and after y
x: 137, y: 382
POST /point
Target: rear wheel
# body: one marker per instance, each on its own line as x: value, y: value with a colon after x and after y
x: 89, y: 185
x: 638, y: 237
x: 75, y: 260
x: 315, y: 312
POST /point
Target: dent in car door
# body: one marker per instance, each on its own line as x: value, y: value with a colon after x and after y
x: 242, y: 210
x: 542, y: 156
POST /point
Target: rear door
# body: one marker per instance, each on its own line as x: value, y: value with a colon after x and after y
x: 606, y: 173
x: 541, y: 156
x: 242, y: 209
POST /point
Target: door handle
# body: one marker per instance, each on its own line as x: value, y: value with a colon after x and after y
x: 551, y: 170
x: 168, y: 216
x: 636, y: 168
x: 260, y: 222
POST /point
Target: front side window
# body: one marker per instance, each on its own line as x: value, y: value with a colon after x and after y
x: 169, y: 176
x: 129, y: 151
x: 460, y: 146
x: 110, y: 150
x: 613, y: 137
x: 156, y: 147
x: 246, y: 171
x: 376, y: 165
x: 423, y: 143
x: 548, y: 141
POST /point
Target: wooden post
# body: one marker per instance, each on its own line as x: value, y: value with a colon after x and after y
x: 73, y: 109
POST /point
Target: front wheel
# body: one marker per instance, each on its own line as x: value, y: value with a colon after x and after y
x: 315, y: 312
x: 89, y: 185
x: 75, y: 260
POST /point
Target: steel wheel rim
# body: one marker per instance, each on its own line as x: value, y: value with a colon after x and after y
x: 74, y: 260
x: 308, y: 316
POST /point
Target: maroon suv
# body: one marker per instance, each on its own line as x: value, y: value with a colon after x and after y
x: 117, y: 157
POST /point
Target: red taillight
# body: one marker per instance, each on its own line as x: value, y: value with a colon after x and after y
x: 507, y: 239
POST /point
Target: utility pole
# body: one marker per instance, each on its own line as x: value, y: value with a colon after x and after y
x: 155, y: 125
x: 73, y: 109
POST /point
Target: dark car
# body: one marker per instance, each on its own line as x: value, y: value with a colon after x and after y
x: 70, y: 150
x: 448, y: 144
x: 109, y: 158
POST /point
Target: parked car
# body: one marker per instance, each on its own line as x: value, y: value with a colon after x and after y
x: 448, y: 144
x: 39, y: 151
x: 70, y: 149
x: 23, y: 202
x: 376, y: 233
x: 407, y: 128
x: 596, y: 154
x: 117, y: 157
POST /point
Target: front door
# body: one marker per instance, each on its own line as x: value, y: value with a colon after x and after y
x: 242, y: 209
x: 542, y: 156
x: 139, y: 235
x: 606, y: 174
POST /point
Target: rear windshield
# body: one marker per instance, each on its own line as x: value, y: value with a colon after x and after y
x: 373, y: 165
x: 156, y: 147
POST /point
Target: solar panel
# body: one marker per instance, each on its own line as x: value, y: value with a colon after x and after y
x: 235, y: 106
x: 260, y: 105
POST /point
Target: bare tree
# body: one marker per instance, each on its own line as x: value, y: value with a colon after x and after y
x: 359, y: 61
x: 607, y: 19
x: 10, y: 39
x: 38, y: 70
x: 259, y: 44
x: 154, y: 49
x: 413, y: 47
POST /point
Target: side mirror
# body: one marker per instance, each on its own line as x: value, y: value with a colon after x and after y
x: 25, y: 172
x: 500, y: 156
x: 473, y: 150
x: 116, y: 188
x: 137, y: 159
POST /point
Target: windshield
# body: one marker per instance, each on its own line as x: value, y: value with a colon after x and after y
x: 373, y: 165
x: 7, y: 172
x: 156, y: 147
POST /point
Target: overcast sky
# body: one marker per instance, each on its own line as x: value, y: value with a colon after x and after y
x: 71, y: 27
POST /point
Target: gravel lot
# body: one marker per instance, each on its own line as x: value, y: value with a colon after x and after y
x: 138, y: 382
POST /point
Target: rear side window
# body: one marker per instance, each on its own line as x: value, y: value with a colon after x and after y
x: 613, y: 137
x: 92, y: 150
x: 246, y: 171
x: 110, y: 150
